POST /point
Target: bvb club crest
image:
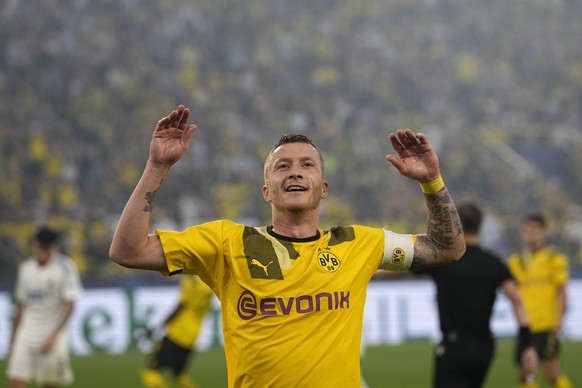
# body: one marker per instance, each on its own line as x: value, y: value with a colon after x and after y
x: 398, y: 255
x: 328, y: 261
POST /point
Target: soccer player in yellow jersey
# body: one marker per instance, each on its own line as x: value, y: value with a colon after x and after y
x: 541, y: 273
x: 182, y: 329
x: 292, y: 294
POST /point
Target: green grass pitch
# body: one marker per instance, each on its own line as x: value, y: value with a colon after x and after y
x: 403, y: 366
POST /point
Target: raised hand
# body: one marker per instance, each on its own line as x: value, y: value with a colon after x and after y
x: 171, y: 138
x: 416, y: 158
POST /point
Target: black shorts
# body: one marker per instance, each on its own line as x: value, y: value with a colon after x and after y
x: 462, y: 362
x: 168, y: 354
x: 547, y: 346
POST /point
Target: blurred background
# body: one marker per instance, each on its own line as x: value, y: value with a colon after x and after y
x: 496, y: 85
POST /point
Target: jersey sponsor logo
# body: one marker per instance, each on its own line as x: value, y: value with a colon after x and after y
x: 37, y: 295
x: 328, y: 261
x: 249, y: 306
x: 40, y: 294
x: 398, y: 255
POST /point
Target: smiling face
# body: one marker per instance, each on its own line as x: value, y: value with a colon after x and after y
x: 294, y: 178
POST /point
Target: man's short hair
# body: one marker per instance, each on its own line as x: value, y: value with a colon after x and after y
x: 537, y: 218
x: 294, y: 138
x: 46, y: 236
x: 470, y: 216
x: 289, y: 139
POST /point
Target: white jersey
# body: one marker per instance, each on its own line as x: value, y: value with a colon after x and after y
x: 44, y: 291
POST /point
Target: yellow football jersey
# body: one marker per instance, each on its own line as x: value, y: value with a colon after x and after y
x: 539, y: 275
x: 195, y: 302
x: 292, y: 309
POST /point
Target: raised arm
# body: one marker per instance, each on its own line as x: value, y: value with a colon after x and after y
x: 132, y: 246
x: 443, y: 242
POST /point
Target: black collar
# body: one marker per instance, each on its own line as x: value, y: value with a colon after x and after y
x: 292, y: 239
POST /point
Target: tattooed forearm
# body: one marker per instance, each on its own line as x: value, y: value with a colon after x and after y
x: 151, y: 197
x: 444, y: 224
x: 443, y: 233
x: 425, y: 254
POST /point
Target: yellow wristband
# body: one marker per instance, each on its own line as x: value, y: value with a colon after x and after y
x: 433, y: 186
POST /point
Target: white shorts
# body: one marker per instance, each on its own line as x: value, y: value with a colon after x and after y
x: 26, y: 363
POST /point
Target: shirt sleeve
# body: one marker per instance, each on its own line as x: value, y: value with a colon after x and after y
x: 20, y: 290
x: 560, y: 269
x: 71, y: 287
x: 198, y: 250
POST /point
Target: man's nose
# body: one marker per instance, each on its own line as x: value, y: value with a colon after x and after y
x: 295, y: 174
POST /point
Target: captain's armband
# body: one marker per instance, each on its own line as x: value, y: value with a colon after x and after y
x: 398, y: 251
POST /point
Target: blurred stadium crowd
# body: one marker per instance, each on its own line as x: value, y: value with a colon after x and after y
x: 496, y: 85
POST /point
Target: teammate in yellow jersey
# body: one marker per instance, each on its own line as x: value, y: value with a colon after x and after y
x: 541, y: 273
x: 182, y: 329
x: 292, y: 294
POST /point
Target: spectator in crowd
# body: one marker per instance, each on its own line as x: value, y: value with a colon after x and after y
x: 541, y: 272
x: 181, y: 326
x: 47, y: 288
x: 292, y: 294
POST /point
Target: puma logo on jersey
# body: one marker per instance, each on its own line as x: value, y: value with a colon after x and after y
x: 264, y: 267
x: 262, y: 259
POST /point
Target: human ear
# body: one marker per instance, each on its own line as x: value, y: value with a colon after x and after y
x: 324, y: 189
x: 266, y: 193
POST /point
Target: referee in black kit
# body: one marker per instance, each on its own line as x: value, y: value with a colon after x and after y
x: 466, y: 292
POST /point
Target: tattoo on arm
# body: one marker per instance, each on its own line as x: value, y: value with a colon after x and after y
x: 444, y: 226
x: 423, y: 257
x: 151, y: 197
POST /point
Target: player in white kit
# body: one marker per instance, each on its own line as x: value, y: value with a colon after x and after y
x: 47, y: 286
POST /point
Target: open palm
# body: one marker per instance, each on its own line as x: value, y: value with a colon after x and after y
x: 171, y: 138
x: 416, y: 158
